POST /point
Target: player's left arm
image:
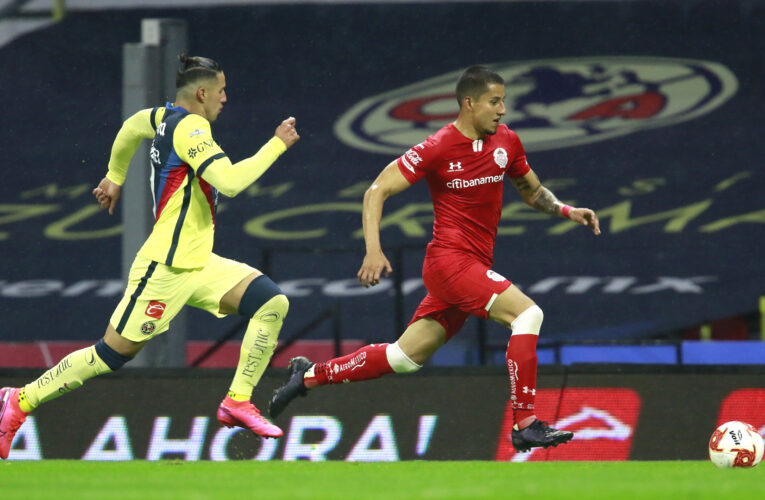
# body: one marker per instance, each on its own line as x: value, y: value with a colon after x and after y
x: 539, y: 197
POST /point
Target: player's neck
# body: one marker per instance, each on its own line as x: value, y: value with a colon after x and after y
x: 467, y: 129
x: 190, y: 106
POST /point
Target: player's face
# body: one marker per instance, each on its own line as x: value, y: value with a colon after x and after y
x: 489, y: 109
x: 216, y: 97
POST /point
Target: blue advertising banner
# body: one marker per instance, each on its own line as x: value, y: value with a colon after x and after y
x: 647, y: 113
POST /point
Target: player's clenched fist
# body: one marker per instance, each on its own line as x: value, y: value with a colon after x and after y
x: 287, y: 132
x: 107, y: 194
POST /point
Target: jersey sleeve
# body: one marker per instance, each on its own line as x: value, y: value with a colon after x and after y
x: 518, y: 165
x: 415, y: 163
x: 194, y: 144
x: 142, y: 125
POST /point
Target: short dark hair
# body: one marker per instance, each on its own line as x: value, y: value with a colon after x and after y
x: 474, y: 81
x: 195, y: 68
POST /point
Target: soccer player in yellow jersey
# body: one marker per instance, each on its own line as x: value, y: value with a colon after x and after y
x: 176, y: 265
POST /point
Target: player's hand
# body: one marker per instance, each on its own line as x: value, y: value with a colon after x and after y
x: 287, y: 132
x: 585, y: 217
x: 107, y: 193
x: 372, y: 268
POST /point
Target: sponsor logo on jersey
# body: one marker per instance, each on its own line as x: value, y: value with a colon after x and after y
x: 551, y: 103
x: 197, y: 132
x: 155, y: 309
x: 467, y: 183
x: 455, y: 166
x: 495, y: 276
x: 410, y: 159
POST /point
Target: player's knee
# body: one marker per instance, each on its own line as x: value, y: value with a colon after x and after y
x: 399, y: 361
x: 529, y: 321
x: 109, y: 356
x: 261, y: 292
x: 275, y: 309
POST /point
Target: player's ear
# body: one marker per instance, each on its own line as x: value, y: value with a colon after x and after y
x: 201, y: 94
x: 468, y: 103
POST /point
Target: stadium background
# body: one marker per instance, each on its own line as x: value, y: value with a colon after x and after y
x: 682, y: 196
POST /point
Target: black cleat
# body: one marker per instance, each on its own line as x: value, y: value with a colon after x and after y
x: 538, y: 434
x: 292, y: 388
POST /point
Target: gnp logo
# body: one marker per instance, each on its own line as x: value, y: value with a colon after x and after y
x: 551, y: 103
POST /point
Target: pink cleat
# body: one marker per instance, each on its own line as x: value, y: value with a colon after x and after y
x: 244, y: 414
x: 11, y: 418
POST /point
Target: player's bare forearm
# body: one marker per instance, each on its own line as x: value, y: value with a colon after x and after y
x: 545, y: 201
x: 370, y: 218
x: 539, y: 197
x: 375, y: 264
x: 536, y: 195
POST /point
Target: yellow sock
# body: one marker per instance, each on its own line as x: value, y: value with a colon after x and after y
x: 23, y: 402
x: 69, y: 374
x: 258, y: 345
x: 238, y: 397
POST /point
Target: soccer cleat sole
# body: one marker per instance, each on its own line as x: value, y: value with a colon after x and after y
x: 545, y: 446
x: 289, y: 391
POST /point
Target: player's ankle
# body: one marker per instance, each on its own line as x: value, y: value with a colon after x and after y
x: 309, y: 378
x: 23, y: 401
x: 526, y: 421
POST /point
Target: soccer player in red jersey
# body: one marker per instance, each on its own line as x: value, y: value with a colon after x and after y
x: 465, y: 165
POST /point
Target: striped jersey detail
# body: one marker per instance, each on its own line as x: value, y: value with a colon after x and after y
x: 181, y: 218
x: 208, y: 162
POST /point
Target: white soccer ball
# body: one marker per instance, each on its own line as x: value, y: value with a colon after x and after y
x: 735, y: 444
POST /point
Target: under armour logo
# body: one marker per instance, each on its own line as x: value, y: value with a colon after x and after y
x: 455, y: 166
x: 526, y: 390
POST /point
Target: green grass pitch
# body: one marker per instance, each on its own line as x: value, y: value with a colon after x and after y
x: 140, y: 480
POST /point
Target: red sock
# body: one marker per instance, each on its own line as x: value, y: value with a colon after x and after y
x: 522, y: 366
x: 367, y: 363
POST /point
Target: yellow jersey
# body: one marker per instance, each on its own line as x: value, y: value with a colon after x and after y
x: 189, y: 169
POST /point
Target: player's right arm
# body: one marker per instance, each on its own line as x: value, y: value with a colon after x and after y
x: 135, y: 129
x: 142, y: 125
x: 390, y: 182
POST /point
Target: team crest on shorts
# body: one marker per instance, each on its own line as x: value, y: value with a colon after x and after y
x: 148, y: 328
x: 500, y: 157
x: 551, y: 103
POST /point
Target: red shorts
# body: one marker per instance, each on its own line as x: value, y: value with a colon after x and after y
x: 458, y: 285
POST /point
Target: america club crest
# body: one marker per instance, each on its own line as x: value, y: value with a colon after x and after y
x: 551, y: 103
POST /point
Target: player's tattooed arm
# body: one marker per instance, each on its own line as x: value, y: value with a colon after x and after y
x: 539, y: 197
x: 536, y: 195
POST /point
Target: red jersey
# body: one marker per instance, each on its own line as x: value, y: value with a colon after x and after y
x: 466, y: 179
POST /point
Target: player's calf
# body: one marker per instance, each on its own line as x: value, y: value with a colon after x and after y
x: 369, y: 362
